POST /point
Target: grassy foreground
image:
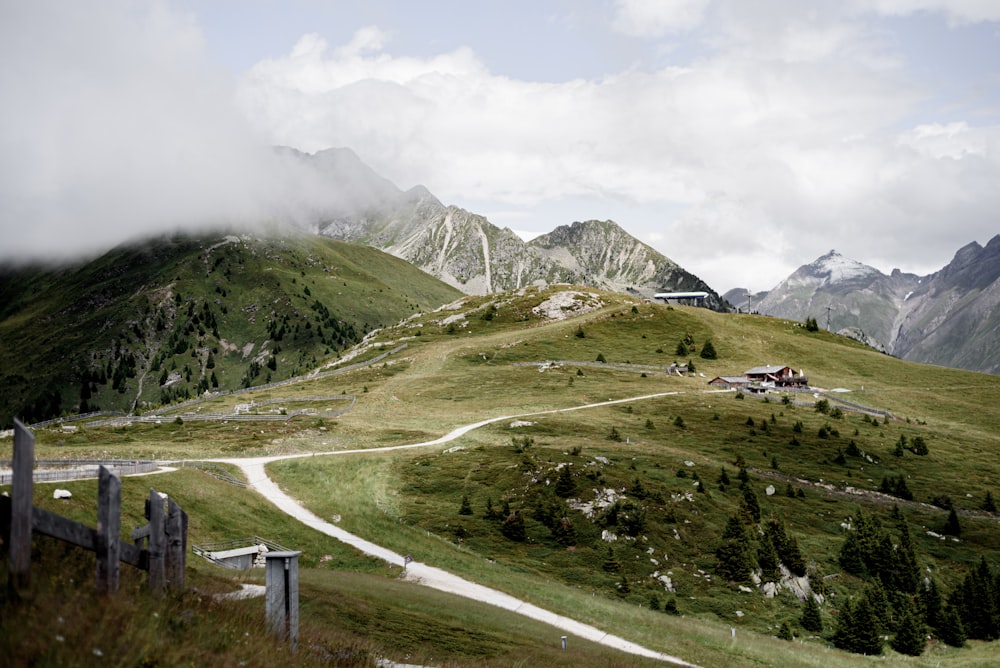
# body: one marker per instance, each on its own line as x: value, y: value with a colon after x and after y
x: 466, y: 364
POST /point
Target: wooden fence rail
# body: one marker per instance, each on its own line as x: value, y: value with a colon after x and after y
x: 165, y: 537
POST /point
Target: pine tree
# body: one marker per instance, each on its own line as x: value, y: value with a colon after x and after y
x: 565, y: 485
x: 491, y: 513
x: 988, y: 504
x: 682, y: 350
x: 906, y: 574
x: 784, y: 631
x: 951, y: 525
x: 930, y: 601
x: 749, y: 505
x: 466, y: 507
x: 787, y: 547
x: 869, y: 639
x: 734, y: 553
x: 951, y: 631
x: 708, y: 351
x: 910, y: 631
x: 563, y: 531
x: 611, y: 564
x: 878, y: 603
x: 811, y: 619
x: 767, y: 559
x: 513, y: 527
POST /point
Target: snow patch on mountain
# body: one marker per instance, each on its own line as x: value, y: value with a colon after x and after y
x: 836, y: 268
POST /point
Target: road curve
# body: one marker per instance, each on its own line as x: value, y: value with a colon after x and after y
x: 431, y: 576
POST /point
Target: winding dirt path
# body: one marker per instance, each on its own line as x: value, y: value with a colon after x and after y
x: 430, y: 576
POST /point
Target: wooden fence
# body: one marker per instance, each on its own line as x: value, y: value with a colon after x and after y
x: 159, y: 548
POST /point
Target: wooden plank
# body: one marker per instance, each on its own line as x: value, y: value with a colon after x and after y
x: 57, y: 526
x: 157, y: 543
x: 5, y: 522
x: 109, y: 528
x: 176, y: 545
x: 134, y: 556
x: 19, y: 562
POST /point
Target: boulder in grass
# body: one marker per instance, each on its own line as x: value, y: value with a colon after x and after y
x: 62, y: 494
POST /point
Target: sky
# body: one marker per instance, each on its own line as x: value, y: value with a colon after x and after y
x: 740, y: 139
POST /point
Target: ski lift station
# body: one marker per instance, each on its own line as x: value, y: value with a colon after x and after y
x: 691, y: 298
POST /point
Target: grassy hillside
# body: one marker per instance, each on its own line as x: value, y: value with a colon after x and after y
x: 169, y: 319
x: 653, y: 458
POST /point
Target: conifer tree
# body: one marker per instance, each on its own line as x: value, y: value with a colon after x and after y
x: 466, y: 507
x: 988, y: 504
x: 749, y: 505
x: 952, y: 527
x: 767, y: 559
x: 565, y: 485
x: 930, y: 602
x: 857, y: 629
x: 734, y: 553
x: 563, y: 531
x: 851, y: 557
x: 491, y: 513
x: 910, y: 631
x: 611, y: 564
x: 951, y: 630
x: 513, y: 527
x: 811, y: 619
x: 708, y: 351
x: 878, y: 602
x: 787, y: 547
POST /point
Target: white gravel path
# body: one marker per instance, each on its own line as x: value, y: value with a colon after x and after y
x: 430, y: 576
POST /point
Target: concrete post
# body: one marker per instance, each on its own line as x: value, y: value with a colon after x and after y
x: 282, y: 595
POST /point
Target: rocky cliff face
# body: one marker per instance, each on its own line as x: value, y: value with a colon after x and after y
x: 953, y: 319
x: 468, y: 252
x: 948, y: 318
x: 843, y: 294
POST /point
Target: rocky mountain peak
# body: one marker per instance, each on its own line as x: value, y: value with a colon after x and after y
x: 834, y: 268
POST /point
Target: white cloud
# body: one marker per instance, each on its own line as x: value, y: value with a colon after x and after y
x: 112, y: 126
x: 781, y: 144
x: 957, y: 11
x: 655, y: 18
x: 774, y: 131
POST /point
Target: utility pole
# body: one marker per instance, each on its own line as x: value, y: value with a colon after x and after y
x: 828, y: 309
x: 749, y: 301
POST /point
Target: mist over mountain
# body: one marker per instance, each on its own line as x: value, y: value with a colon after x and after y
x: 467, y: 251
x: 948, y: 318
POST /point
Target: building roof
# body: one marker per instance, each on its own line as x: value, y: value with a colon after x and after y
x: 732, y: 380
x: 681, y: 295
x: 760, y: 370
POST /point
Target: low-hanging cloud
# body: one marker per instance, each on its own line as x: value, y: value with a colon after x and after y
x: 788, y: 140
x: 115, y: 127
x: 795, y: 130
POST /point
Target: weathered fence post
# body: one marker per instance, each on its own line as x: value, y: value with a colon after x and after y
x: 176, y: 548
x: 108, y: 538
x: 157, y: 571
x: 282, y: 595
x: 19, y: 564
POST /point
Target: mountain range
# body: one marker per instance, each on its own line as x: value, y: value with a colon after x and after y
x: 467, y: 251
x: 949, y: 318
x: 946, y: 318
